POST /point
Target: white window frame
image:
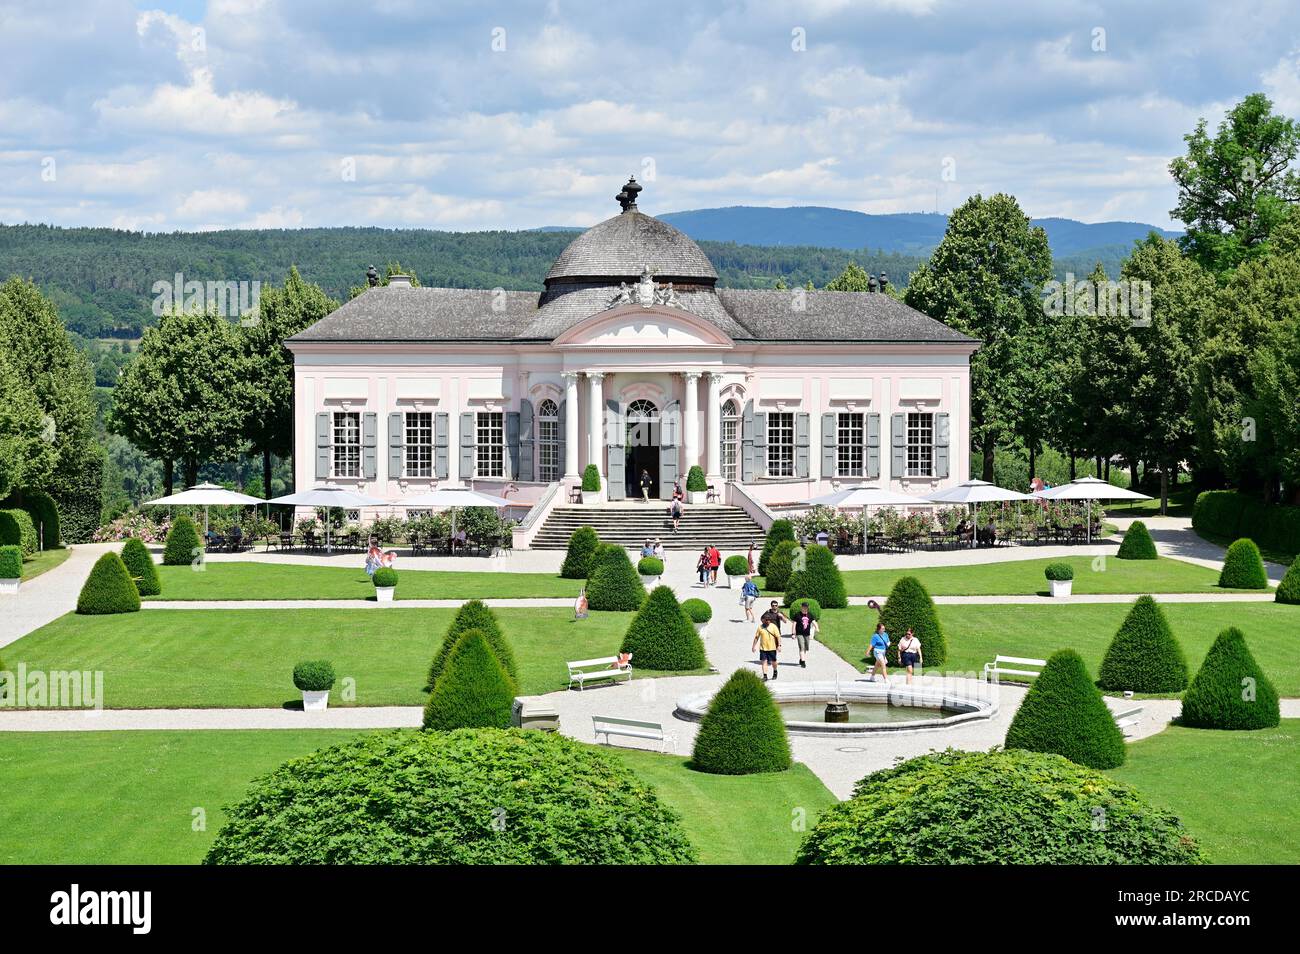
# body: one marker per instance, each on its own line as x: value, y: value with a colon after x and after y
x: 730, y: 440
x: 548, y: 441
x: 920, y: 444
x: 418, y: 450
x: 345, y: 459
x: 850, y: 444
x: 780, y: 443
x: 490, y: 444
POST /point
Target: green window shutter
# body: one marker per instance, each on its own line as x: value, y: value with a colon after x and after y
x: 830, y: 436
x: 562, y: 450
x: 441, y: 433
x: 615, y: 451
x: 467, y: 442
x: 747, y: 443
x: 873, y: 447
x: 396, y: 442
x: 941, y: 440
x: 512, y: 445
x: 527, y: 439
x: 898, y: 434
x: 370, y: 445
x: 760, y: 444
x: 322, y: 446
x: 802, y: 440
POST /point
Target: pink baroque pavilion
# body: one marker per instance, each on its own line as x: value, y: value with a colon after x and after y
x: 630, y: 358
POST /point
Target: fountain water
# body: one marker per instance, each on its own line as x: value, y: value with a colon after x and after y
x: 837, y: 711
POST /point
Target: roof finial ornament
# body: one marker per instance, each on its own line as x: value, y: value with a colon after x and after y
x: 627, y: 198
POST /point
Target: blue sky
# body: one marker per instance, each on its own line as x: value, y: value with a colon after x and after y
x: 459, y: 114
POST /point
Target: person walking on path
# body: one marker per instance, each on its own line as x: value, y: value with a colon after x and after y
x: 767, y: 640
x: 749, y: 559
x: 658, y: 549
x: 715, y: 561
x: 805, y: 627
x: 879, y: 646
x: 909, y: 652
x: 775, y: 615
x: 702, y: 567
x: 748, y: 594
x: 676, y: 511
x: 646, y: 484
x: 648, y: 549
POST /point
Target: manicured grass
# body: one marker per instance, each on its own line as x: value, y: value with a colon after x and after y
x: 1025, y: 577
x: 130, y: 797
x: 1236, y: 792
x: 978, y: 633
x: 1181, y: 502
x: 44, y: 561
x: 287, y: 581
x: 245, y: 658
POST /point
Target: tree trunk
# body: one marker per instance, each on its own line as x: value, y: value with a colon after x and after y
x: 1073, y: 467
x: 1107, y: 476
x: 1033, y: 458
x: 1164, y: 488
x: 191, y: 472
x: 988, y: 462
x: 1132, y: 473
x: 168, y: 477
x: 266, y: 472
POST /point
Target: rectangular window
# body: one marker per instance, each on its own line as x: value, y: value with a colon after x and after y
x: 347, y: 443
x: 491, y: 447
x: 920, y: 445
x: 780, y: 444
x: 419, y: 444
x: 850, y: 444
x: 548, y: 449
x: 730, y: 464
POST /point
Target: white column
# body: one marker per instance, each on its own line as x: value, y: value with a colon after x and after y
x: 570, y: 424
x: 713, y: 454
x: 596, y: 421
x: 691, y: 411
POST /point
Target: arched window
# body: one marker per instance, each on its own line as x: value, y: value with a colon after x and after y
x: 642, y: 410
x: 730, y: 440
x: 548, y: 441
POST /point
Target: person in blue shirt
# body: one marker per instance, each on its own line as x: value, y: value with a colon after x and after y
x: 879, y: 646
x: 749, y: 593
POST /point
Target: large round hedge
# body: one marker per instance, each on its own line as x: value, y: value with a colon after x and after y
x: 1144, y: 656
x: 108, y: 589
x: 661, y: 637
x: 743, y: 732
x: 614, y: 584
x: 820, y: 580
x: 1064, y: 713
x: 481, y: 796
x: 582, y: 547
x: 736, y: 565
x: 475, y: 615
x: 996, y: 808
x: 1230, y: 691
x: 141, y: 567
x: 182, y: 543
x: 780, y: 565
x: 1137, y: 543
x: 474, y: 691
x: 1243, y: 567
x: 697, y: 610
x: 11, y: 562
x: 1288, y: 591
x: 909, y: 604
x: 780, y: 531
x: 17, y: 529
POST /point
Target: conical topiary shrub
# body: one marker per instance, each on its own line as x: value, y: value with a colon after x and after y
x: 1288, y: 591
x: 1144, y: 656
x: 583, y: 543
x: 1230, y: 691
x: 661, y: 637
x: 141, y: 567
x: 819, y: 580
x: 1064, y: 713
x: 780, y: 565
x: 1243, y: 567
x: 183, y: 545
x: 474, y: 691
x: 780, y: 531
x: 478, y: 616
x: 614, y: 585
x: 108, y: 589
x: 1137, y: 543
x: 743, y: 732
x: 909, y: 604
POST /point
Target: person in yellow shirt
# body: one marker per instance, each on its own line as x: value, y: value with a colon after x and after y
x: 767, y: 640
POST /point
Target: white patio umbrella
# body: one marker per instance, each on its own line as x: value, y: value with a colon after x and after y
x: 865, y: 496
x: 452, y: 498
x: 1089, y: 488
x: 205, y: 496
x: 327, y: 496
x: 976, y: 492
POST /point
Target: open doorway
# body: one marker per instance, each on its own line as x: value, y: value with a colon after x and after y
x: 642, y: 448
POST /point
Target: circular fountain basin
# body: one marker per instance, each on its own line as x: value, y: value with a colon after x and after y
x: 873, y: 707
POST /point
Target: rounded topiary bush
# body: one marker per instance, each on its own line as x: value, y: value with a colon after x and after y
x: 909, y: 604
x: 820, y: 579
x: 1137, y: 543
x: 11, y: 562
x: 614, y: 584
x: 1057, y: 572
x: 140, y: 565
x: 583, y: 543
x: 996, y: 808
x: 780, y: 565
x: 1064, y: 713
x: 1288, y: 591
x: 591, y: 478
x: 473, y: 691
x: 661, y: 637
x: 743, y: 732
x: 16, y: 528
x: 183, y: 544
x: 650, y: 566
x: 1144, y: 656
x: 384, y: 576
x: 1230, y: 691
x: 735, y: 565
x: 696, y: 482
x: 475, y: 615
x: 780, y: 531
x: 697, y: 610
x: 314, y: 675
x: 108, y: 589
x: 482, y: 796
x: 1243, y: 567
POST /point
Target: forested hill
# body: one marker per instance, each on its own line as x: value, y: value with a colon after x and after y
x: 100, y: 279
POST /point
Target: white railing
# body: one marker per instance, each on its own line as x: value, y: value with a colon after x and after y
x: 528, y: 528
x: 738, y: 495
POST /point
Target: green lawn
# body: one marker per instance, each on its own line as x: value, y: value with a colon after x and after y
x: 1024, y: 577
x: 44, y: 561
x: 1236, y: 792
x: 287, y: 581
x: 244, y: 658
x: 130, y: 797
x: 977, y: 633
x: 1182, y: 500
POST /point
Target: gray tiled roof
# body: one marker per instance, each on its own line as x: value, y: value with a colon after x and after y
x: 620, y: 247
x: 797, y: 315
x: 389, y: 313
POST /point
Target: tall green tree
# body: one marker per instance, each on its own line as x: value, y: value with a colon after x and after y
x: 986, y: 279
x: 854, y: 278
x: 27, y: 457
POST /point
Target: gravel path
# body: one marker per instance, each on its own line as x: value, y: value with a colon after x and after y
x: 342, y: 604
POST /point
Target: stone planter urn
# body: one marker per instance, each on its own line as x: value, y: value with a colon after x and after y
x: 590, y: 497
x: 650, y: 581
x: 702, y: 629
x: 384, y: 594
x: 9, y: 586
x: 315, y: 701
x: 697, y: 496
x: 1061, y: 587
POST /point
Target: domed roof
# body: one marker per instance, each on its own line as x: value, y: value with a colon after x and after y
x: 619, y: 248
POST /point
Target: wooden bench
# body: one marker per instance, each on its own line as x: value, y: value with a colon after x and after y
x: 1128, y: 718
x: 999, y: 666
x: 581, y: 671
x: 632, y: 728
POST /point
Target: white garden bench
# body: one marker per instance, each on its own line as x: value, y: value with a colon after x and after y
x: 632, y: 728
x: 582, y: 671
x: 1001, y: 666
x: 1128, y: 718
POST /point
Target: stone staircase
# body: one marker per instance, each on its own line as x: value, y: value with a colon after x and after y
x: 730, y: 529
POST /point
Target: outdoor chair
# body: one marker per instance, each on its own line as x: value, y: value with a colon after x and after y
x: 711, y: 494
